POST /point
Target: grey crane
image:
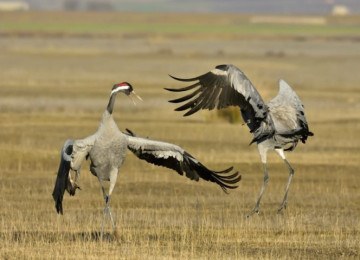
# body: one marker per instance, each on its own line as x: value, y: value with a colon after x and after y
x: 107, y: 149
x: 278, y: 125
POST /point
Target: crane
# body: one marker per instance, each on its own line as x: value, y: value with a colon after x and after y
x: 107, y: 149
x: 278, y: 125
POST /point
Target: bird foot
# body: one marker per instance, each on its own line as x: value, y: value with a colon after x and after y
x: 117, y: 235
x: 71, y: 187
x: 282, y: 206
x: 255, y: 210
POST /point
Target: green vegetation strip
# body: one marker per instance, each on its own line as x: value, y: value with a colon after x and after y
x: 78, y: 27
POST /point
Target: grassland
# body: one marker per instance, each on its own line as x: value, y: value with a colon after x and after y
x: 184, y: 25
x: 56, y: 71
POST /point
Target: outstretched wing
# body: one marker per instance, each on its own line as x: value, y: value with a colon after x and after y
x: 73, y: 154
x: 63, y: 175
x: 223, y: 86
x: 287, y: 112
x: 175, y: 158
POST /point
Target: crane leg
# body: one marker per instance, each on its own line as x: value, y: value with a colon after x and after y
x: 263, y: 187
x: 106, y: 212
x: 291, y: 175
x: 113, y: 177
x: 107, y: 209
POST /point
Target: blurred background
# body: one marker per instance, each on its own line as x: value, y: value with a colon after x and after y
x: 244, y: 6
x: 58, y: 62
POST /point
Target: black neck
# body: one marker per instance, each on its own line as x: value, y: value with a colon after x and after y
x: 110, y: 106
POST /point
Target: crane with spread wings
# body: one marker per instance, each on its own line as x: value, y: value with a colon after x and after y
x: 106, y: 149
x: 277, y: 125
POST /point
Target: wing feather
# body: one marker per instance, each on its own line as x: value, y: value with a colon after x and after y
x: 223, y: 86
x: 63, y: 175
x: 185, y: 88
x: 81, y: 151
x: 73, y: 153
x: 288, y: 114
x: 200, y: 103
x: 176, y: 158
x: 182, y: 99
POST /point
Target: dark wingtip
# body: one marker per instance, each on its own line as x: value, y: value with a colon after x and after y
x: 62, y: 175
x: 58, y: 206
x: 252, y: 141
x: 184, y: 80
x: 224, y: 178
x: 226, y: 170
x: 176, y: 78
x: 178, y: 109
x: 171, y: 76
x: 222, y: 67
x: 177, y: 100
x: 58, y: 202
x: 189, y: 113
x: 171, y: 89
x: 227, y: 181
x: 129, y: 132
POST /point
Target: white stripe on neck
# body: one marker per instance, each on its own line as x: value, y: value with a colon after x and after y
x: 118, y: 89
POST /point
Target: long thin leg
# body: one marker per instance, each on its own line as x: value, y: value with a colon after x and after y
x: 263, y: 187
x: 105, y: 209
x: 108, y: 209
x: 262, y: 147
x: 107, y: 213
x: 113, y: 177
x: 291, y: 175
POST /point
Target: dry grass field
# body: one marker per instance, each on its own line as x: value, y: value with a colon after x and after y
x: 56, y: 71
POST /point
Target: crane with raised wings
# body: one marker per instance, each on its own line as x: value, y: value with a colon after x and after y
x: 277, y: 125
x: 106, y: 149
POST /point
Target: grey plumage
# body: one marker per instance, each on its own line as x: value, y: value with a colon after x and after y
x: 176, y: 158
x: 107, y: 150
x: 62, y: 180
x: 278, y: 125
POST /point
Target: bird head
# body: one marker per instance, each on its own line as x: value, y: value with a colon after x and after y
x: 126, y: 88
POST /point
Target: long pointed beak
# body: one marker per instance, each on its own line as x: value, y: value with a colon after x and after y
x: 138, y: 97
x: 134, y: 94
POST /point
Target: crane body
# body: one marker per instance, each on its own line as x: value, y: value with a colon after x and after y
x: 107, y: 148
x: 277, y: 125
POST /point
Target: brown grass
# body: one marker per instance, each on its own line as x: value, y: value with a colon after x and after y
x: 56, y: 88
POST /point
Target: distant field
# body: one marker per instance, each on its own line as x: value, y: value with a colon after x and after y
x: 55, y: 83
x: 178, y: 24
